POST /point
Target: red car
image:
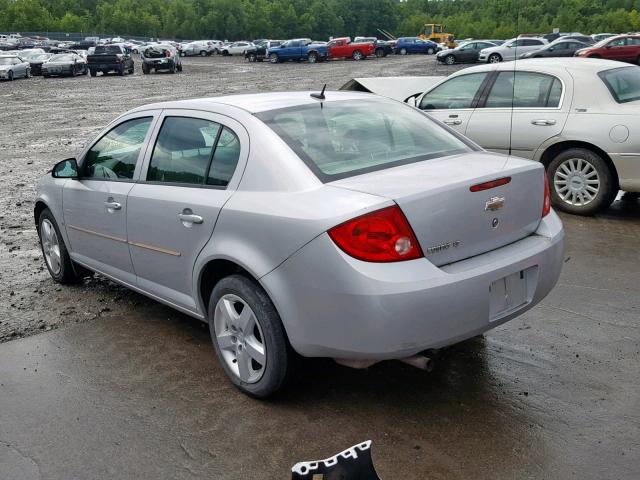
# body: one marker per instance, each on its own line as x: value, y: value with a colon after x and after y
x: 344, y: 48
x: 625, y: 48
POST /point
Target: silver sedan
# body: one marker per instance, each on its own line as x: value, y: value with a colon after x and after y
x: 342, y: 225
x: 12, y: 66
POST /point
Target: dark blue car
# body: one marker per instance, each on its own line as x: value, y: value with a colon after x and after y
x: 407, y: 45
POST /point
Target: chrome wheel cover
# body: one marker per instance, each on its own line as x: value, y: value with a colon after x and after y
x: 576, y: 181
x: 240, y: 339
x: 50, y: 246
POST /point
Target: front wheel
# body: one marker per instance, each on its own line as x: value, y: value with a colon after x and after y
x: 248, y: 336
x: 10, y: 76
x: 252, y: 57
x: 273, y: 58
x: 403, y: 51
x: 495, y: 58
x: 55, y: 253
x: 27, y: 73
x: 203, y: 53
x: 380, y: 53
x: 430, y: 51
x: 449, y: 59
x: 581, y: 182
x: 93, y: 72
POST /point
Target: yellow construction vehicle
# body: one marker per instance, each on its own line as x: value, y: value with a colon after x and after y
x: 436, y: 33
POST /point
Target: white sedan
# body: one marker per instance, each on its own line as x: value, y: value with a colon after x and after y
x: 236, y: 48
x: 579, y: 117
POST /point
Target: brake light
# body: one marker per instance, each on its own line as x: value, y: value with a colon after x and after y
x: 381, y: 236
x: 546, y: 203
x: 491, y: 184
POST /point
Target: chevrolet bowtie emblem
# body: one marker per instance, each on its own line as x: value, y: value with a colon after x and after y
x: 493, y: 204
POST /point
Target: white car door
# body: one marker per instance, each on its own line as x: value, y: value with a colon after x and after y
x: 453, y: 100
x: 521, y: 111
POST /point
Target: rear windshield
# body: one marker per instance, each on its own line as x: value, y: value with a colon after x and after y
x: 346, y: 138
x: 108, y: 49
x: 623, y: 83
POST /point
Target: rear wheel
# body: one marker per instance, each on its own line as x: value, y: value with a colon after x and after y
x: 494, y: 58
x: 252, y: 57
x: 93, y: 72
x: 203, y: 53
x: 180, y: 67
x: 357, y: 55
x: 313, y: 57
x: 581, y: 182
x: 145, y: 69
x: 449, y: 59
x: 56, y: 257
x: 248, y: 336
x: 121, y: 71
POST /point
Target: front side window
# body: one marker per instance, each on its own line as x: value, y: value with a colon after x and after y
x: 193, y: 151
x: 621, y: 42
x: 524, y: 90
x: 346, y: 138
x: 456, y: 93
x: 623, y: 83
x: 115, y: 155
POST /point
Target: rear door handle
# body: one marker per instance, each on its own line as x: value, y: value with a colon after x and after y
x: 188, y: 218
x: 453, y: 122
x: 111, y: 205
x: 543, y: 122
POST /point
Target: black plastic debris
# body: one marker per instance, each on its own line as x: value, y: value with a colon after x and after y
x: 352, y: 464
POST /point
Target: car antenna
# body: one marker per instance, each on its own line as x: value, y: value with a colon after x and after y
x: 320, y: 96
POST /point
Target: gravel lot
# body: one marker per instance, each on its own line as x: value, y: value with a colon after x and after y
x: 552, y: 394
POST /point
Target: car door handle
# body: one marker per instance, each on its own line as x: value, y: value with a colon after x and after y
x: 188, y: 219
x: 111, y: 205
x: 543, y: 122
x: 453, y: 122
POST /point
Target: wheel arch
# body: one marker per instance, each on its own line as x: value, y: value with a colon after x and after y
x: 38, y: 208
x: 553, y: 150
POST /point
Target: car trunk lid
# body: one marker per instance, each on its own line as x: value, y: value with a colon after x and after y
x: 450, y: 221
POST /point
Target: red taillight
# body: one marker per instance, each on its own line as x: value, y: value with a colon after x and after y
x: 380, y: 236
x: 492, y: 184
x: 546, y: 203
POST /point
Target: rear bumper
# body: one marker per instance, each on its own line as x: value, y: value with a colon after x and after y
x: 335, y: 306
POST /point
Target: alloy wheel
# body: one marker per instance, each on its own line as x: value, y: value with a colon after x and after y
x: 240, y: 339
x: 450, y: 60
x: 576, y: 181
x: 50, y: 246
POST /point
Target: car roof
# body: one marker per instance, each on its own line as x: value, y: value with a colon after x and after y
x: 259, y: 102
x: 572, y: 64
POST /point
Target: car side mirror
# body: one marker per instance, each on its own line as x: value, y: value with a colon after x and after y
x: 67, y: 168
x: 508, y: 46
x: 551, y: 49
x: 608, y: 46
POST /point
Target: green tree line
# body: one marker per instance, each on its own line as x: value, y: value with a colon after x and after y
x: 319, y: 19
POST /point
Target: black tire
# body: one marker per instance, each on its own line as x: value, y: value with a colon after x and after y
x: 121, y: 71
x: 403, y: 51
x: 44, y: 75
x: 273, y: 58
x: 10, y: 76
x: 182, y: 54
x: 69, y: 272
x: 606, y: 191
x: 203, y: 53
x: 494, y: 58
x: 145, y: 69
x: 278, y: 353
x: 357, y: 55
x: 252, y: 57
x: 380, y: 53
x: 449, y: 59
x: 430, y: 51
x: 93, y: 72
x: 180, y: 67
x: 312, y: 57
x: 28, y: 73
x: 225, y: 53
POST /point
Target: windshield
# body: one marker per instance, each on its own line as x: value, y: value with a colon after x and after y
x: 65, y: 57
x: 6, y: 60
x: 347, y: 138
x: 623, y: 83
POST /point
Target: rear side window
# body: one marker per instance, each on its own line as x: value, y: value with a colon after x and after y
x: 524, y: 90
x: 532, y: 43
x: 623, y: 83
x: 114, y: 156
x: 345, y: 138
x: 186, y: 152
x: 456, y: 93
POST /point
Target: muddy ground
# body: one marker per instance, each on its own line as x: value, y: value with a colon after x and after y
x: 135, y: 392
